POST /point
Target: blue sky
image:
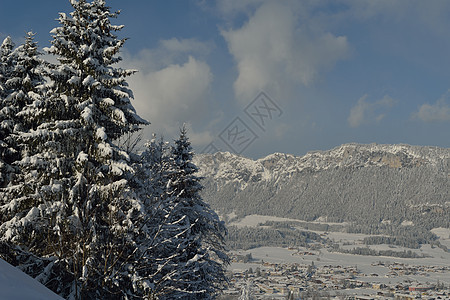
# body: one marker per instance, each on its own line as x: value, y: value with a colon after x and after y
x: 334, y: 71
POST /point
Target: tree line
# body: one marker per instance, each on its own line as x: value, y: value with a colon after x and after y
x: 81, y: 211
x: 372, y: 252
x: 253, y: 237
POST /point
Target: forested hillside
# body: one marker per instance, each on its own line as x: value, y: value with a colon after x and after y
x: 374, y: 187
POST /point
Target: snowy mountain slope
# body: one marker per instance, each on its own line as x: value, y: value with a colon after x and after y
x: 225, y: 167
x: 16, y: 285
x: 347, y: 183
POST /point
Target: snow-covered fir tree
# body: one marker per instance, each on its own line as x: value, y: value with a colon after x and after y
x: 181, y: 260
x: 190, y: 254
x: 7, y: 153
x: 77, y: 211
x: 151, y: 181
x: 23, y: 88
x: 24, y: 85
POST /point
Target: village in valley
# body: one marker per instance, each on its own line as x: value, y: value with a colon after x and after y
x: 271, y: 280
x: 318, y: 272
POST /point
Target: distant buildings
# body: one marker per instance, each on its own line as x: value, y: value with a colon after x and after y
x: 305, y: 281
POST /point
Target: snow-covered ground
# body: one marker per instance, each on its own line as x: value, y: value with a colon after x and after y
x: 16, y: 285
x: 366, y: 264
x: 443, y: 234
x: 255, y: 220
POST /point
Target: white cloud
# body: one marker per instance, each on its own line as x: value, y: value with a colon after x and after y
x: 173, y: 95
x: 366, y: 112
x: 273, y: 51
x: 357, y: 112
x: 437, y: 112
x: 172, y: 87
x: 168, y: 52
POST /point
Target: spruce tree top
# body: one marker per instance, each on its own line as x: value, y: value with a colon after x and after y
x: 183, y: 153
x: 87, y: 47
x: 26, y: 83
x: 6, y: 47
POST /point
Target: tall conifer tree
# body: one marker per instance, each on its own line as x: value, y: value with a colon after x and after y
x: 23, y: 87
x: 78, y: 210
x: 184, y: 255
x: 6, y: 152
x: 155, y: 233
x: 193, y: 258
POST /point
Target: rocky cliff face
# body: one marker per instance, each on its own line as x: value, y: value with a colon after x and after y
x: 352, y: 182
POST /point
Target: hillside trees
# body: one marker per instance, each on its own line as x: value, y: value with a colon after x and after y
x: 84, y: 216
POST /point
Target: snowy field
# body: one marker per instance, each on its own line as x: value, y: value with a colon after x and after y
x: 254, y: 220
x: 444, y: 235
x: 16, y: 285
x: 365, y: 264
x: 370, y: 271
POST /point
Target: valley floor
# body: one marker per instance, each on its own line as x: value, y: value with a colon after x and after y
x: 307, y: 272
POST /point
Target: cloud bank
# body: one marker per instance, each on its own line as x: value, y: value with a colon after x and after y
x: 172, y: 86
x: 273, y: 50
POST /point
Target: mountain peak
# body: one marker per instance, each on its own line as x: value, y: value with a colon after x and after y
x: 228, y: 166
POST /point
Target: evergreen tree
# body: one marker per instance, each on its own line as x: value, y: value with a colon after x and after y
x: 77, y: 210
x: 6, y: 152
x: 182, y: 237
x: 155, y: 233
x: 155, y: 162
x: 192, y: 260
x: 24, y: 86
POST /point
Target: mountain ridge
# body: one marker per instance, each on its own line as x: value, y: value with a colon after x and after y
x: 224, y: 164
x: 350, y: 183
